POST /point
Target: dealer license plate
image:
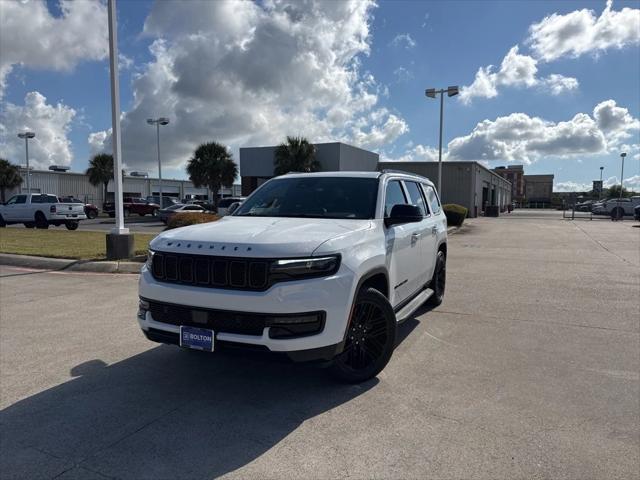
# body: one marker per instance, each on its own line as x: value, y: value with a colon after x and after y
x: 197, y: 338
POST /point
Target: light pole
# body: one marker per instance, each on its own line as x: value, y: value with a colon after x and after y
x: 157, y: 122
x: 600, y: 192
x: 27, y: 136
x: 431, y: 93
x: 622, y: 155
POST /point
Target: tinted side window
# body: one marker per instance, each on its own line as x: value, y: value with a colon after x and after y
x: 49, y: 199
x: 21, y: 199
x: 417, y: 199
x: 37, y: 199
x: 432, y: 198
x: 393, y: 196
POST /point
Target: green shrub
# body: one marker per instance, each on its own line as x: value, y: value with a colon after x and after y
x: 184, y: 219
x: 455, y: 214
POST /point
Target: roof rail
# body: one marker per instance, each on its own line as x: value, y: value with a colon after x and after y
x: 391, y: 170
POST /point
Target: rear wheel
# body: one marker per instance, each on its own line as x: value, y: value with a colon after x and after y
x: 41, y: 221
x: 71, y: 225
x: 2, y: 222
x: 370, y: 338
x: 617, y: 213
x: 439, y: 280
x: 91, y: 214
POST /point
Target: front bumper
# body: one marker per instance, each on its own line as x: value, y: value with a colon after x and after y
x: 332, y: 295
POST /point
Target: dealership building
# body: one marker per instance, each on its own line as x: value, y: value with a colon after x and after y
x: 64, y: 183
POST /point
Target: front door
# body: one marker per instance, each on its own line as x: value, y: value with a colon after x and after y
x: 402, y: 248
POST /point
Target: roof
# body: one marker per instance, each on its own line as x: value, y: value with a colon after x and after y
x: 359, y: 174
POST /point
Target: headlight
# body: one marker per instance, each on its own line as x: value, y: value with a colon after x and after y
x: 305, y: 267
x: 149, y: 261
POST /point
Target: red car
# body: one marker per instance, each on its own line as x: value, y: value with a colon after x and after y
x: 90, y: 210
x: 133, y: 205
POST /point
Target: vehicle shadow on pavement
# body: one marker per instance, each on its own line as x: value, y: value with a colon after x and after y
x: 166, y: 413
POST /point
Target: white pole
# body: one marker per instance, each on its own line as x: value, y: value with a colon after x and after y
x: 440, y: 145
x: 26, y: 147
x: 159, y: 164
x: 115, y: 119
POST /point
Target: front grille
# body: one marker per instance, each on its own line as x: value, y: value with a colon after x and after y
x: 216, y: 320
x: 215, y: 272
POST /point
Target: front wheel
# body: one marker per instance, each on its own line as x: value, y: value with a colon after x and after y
x: 2, y: 222
x: 439, y: 280
x: 71, y: 225
x: 617, y: 213
x: 370, y: 338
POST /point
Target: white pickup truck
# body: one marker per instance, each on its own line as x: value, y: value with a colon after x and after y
x: 41, y: 210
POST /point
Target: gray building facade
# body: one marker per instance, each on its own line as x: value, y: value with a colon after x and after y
x: 469, y: 184
x: 256, y: 163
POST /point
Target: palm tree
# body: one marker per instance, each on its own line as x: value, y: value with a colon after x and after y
x: 100, y: 171
x: 9, y: 177
x: 295, y: 155
x: 212, y: 166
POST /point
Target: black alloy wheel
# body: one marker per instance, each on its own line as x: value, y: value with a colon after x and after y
x: 370, y: 338
x: 71, y: 225
x: 41, y: 221
x: 439, y: 280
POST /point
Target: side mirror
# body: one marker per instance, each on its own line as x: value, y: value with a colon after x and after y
x: 233, y: 207
x: 402, y: 213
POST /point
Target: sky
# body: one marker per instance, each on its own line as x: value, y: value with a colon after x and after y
x: 553, y: 85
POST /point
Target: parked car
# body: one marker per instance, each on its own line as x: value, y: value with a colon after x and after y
x: 166, y: 200
x: 320, y: 266
x: 90, y: 210
x: 616, y: 207
x: 166, y: 213
x: 225, y: 203
x: 40, y: 210
x: 585, y: 206
x: 133, y: 205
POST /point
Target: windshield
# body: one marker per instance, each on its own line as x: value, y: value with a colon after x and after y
x: 316, y: 197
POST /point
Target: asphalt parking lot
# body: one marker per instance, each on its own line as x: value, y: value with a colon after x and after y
x: 529, y: 369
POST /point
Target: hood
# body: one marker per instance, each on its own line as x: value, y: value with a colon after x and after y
x: 267, y: 237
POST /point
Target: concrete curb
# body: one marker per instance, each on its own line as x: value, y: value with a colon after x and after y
x: 452, y: 230
x: 46, y: 263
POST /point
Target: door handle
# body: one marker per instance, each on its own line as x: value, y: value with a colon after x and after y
x: 414, y: 237
x: 434, y: 230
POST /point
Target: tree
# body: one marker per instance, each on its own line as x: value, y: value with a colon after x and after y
x: 9, y: 177
x: 295, y: 155
x: 100, y: 171
x: 212, y: 166
x: 614, y: 192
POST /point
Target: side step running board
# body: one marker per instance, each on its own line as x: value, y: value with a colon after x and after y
x: 413, y: 305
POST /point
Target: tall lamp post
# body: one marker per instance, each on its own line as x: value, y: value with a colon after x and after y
x: 431, y: 93
x: 157, y: 122
x: 622, y: 155
x: 600, y: 192
x: 27, y: 136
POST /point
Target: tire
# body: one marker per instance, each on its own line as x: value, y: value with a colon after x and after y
x: 29, y: 225
x: 438, y: 281
x: 617, y: 213
x: 370, y: 338
x: 154, y: 213
x: 2, y: 222
x: 91, y: 214
x: 71, y: 225
x: 41, y: 221
x: 125, y: 212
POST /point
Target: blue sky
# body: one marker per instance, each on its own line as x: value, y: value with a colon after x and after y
x: 248, y: 74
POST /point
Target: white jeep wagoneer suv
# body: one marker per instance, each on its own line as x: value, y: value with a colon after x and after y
x: 321, y: 266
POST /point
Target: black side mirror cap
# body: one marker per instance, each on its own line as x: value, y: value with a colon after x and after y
x: 402, y: 213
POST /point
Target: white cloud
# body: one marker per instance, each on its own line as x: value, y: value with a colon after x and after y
x: 244, y: 73
x: 31, y: 36
x: 519, y: 137
x: 403, y: 40
x: 616, y: 122
x: 516, y: 70
x: 632, y: 183
x: 402, y: 74
x: 51, y: 125
x: 571, y: 186
x: 580, y: 32
x: 419, y: 153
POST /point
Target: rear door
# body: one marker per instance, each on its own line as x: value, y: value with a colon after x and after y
x: 424, y: 234
x: 401, y: 247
